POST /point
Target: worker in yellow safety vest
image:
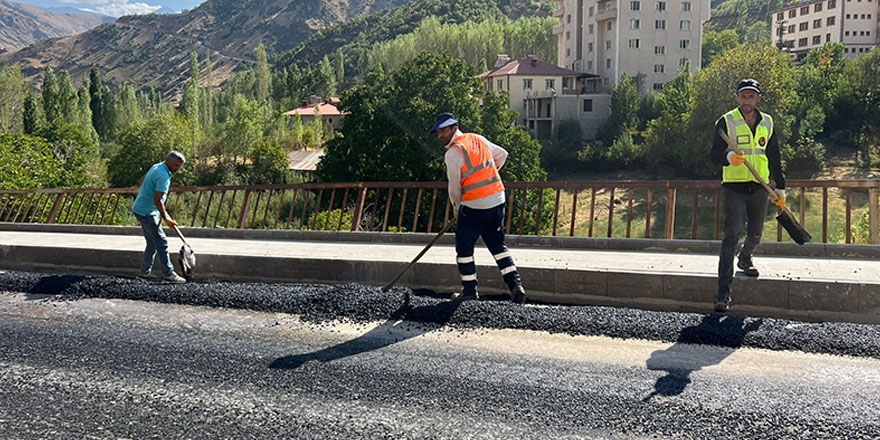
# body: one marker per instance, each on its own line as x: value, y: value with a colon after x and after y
x: 477, y: 195
x: 744, y: 198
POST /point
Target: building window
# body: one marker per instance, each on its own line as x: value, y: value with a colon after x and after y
x: 608, y: 44
x: 829, y: 21
x: 590, y: 66
x: 817, y: 39
x: 588, y: 105
x: 591, y: 11
x: 684, y: 44
x: 589, y: 47
x: 608, y: 63
x: 685, y: 6
x: 568, y: 18
x: 685, y: 25
x: 805, y: 10
x: 817, y: 7
x: 568, y: 51
x: 792, y: 13
x: 527, y: 84
x: 658, y: 87
x: 549, y: 84
x: 802, y: 42
x: 791, y: 29
x: 661, y: 6
x: 660, y: 24
x: 634, y: 43
x: 635, y: 23
x: 590, y: 29
x: 817, y: 23
x: 500, y: 84
x: 804, y: 26
x: 683, y: 61
x: 635, y: 6
x: 846, y: 33
x: 659, y: 68
x: 659, y: 50
x: 832, y: 4
x: 827, y: 37
x: 568, y: 35
x: 780, y: 16
x: 848, y: 16
x: 608, y: 26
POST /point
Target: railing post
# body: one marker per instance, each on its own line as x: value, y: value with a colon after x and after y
x: 55, y: 207
x: 670, y: 213
x: 359, y: 209
x: 874, y: 214
x: 245, y: 207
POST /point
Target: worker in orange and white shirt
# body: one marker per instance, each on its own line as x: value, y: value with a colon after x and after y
x: 477, y: 195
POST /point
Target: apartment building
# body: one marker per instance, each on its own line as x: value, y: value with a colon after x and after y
x: 544, y: 94
x: 808, y: 24
x: 646, y: 39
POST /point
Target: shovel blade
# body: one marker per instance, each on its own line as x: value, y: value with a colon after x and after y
x: 187, y: 260
x: 794, y: 229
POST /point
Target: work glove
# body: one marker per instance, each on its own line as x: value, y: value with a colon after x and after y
x: 735, y: 159
x: 780, y: 198
x: 171, y: 223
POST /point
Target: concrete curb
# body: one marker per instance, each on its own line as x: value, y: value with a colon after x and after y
x: 770, y: 297
x: 711, y: 247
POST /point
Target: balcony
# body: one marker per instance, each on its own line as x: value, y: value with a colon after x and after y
x: 606, y: 13
x: 558, y: 12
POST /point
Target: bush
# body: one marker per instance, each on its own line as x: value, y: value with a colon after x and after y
x: 146, y: 143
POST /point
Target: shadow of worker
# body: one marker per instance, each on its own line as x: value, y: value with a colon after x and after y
x: 685, y: 356
x: 395, y: 329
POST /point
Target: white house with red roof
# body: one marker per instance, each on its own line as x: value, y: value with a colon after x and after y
x: 545, y: 95
x: 327, y: 110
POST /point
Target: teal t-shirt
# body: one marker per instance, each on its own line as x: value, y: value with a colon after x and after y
x: 158, y: 178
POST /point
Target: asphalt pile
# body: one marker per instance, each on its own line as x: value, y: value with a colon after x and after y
x: 362, y: 303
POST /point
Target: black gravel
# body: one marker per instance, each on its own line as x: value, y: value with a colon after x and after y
x: 360, y: 303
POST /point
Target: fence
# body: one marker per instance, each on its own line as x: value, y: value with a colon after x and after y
x: 839, y: 211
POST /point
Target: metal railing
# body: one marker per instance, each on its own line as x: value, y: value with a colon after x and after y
x: 839, y: 211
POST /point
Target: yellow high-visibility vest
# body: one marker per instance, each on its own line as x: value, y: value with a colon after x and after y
x: 754, y: 146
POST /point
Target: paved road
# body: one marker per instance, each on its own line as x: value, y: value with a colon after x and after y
x: 74, y: 366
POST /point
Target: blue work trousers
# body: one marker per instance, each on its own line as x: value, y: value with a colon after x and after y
x: 489, y: 224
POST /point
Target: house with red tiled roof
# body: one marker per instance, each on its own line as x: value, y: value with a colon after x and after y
x: 545, y: 95
x: 327, y: 110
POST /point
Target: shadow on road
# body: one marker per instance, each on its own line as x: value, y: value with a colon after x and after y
x: 53, y: 285
x: 429, y: 318
x: 683, y: 358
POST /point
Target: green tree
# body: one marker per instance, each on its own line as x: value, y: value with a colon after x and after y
x: 100, y: 110
x: 561, y: 152
x: 665, y: 133
x: 859, y: 105
x: 27, y: 162
x: 146, y: 143
x: 51, y: 97
x: 13, y: 93
x: 67, y: 97
x: 262, y: 73
x: 716, y: 43
x: 31, y: 116
x: 624, y: 110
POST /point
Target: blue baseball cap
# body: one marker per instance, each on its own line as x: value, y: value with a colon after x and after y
x: 443, y: 120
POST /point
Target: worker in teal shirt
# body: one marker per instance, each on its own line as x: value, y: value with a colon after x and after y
x: 149, y: 209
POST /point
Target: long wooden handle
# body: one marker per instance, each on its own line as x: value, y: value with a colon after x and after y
x: 773, y: 196
x: 416, y: 259
x: 180, y: 234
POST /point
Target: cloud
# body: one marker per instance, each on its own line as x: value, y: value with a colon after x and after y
x: 114, y: 8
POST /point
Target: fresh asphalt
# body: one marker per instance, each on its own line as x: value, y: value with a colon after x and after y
x: 107, y: 357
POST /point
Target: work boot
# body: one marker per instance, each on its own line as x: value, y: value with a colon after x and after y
x: 722, y: 304
x: 745, y: 264
x: 145, y: 275
x: 175, y: 278
x: 518, y: 294
x: 465, y: 296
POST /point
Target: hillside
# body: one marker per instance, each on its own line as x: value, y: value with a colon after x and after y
x: 22, y: 25
x: 154, y: 50
x: 386, y: 25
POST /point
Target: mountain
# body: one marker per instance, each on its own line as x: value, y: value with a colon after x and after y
x: 22, y: 25
x: 154, y: 50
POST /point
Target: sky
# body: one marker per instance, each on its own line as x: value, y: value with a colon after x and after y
x: 117, y: 8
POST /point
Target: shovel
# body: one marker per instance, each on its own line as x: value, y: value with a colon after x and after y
x: 186, y: 257
x: 413, y: 262
x: 785, y: 217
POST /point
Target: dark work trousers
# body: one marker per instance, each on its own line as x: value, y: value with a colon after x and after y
x: 489, y: 224
x: 739, y: 208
